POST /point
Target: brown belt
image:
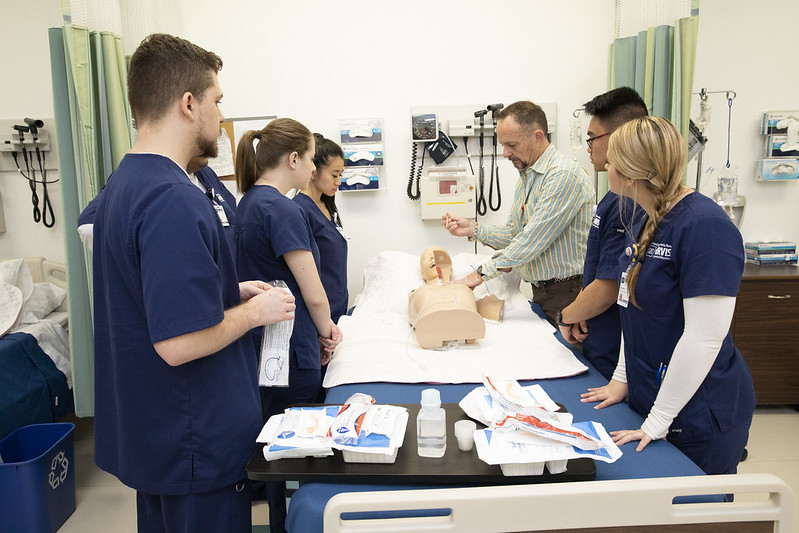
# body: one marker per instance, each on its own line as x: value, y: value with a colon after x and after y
x: 547, y: 282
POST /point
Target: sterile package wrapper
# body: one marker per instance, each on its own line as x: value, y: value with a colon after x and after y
x: 376, y: 448
x: 496, y: 447
x: 298, y: 432
x: 478, y: 404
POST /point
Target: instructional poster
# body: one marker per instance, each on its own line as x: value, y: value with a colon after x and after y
x: 230, y: 132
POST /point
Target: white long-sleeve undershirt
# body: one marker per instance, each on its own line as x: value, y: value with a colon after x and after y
x: 707, y: 321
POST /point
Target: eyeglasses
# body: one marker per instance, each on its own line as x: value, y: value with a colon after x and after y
x: 591, y: 140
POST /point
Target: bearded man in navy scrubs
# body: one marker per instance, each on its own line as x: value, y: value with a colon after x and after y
x: 177, y: 408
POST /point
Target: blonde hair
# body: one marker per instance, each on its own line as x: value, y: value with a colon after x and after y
x: 652, y: 150
x: 280, y: 137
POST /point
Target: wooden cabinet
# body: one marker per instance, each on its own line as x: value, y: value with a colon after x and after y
x: 765, y: 328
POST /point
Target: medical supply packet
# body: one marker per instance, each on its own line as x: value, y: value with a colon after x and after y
x: 306, y: 432
x: 382, y: 433
x: 525, y: 428
x: 498, y: 447
x: 298, y: 432
x: 348, y: 422
x: 483, y: 404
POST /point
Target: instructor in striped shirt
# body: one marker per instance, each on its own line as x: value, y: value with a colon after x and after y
x: 546, y: 232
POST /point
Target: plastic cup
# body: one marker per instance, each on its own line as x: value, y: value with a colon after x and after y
x: 464, y: 433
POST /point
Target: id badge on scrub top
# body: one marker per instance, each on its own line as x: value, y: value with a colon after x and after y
x: 220, y: 212
x: 622, y: 298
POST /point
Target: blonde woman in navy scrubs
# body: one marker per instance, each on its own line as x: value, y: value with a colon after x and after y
x: 274, y: 242
x: 680, y: 370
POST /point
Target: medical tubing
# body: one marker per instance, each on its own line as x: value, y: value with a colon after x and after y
x: 416, y: 174
x: 494, y: 165
x: 729, y: 123
x: 47, y: 205
x: 482, y: 209
x: 468, y: 157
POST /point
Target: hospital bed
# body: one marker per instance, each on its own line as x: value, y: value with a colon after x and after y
x: 35, y: 366
x: 399, y: 374
x: 628, y: 505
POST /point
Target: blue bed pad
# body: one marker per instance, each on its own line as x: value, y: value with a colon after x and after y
x: 32, y: 389
x: 658, y: 459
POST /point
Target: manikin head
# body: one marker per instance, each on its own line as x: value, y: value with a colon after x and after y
x: 435, y: 264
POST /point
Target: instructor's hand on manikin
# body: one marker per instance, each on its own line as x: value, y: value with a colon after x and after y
x: 458, y: 226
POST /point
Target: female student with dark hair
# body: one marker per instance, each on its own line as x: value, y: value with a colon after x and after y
x: 680, y: 369
x: 274, y: 242
x: 318, y: 203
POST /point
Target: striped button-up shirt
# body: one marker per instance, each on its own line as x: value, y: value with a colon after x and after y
x: 547, y: 229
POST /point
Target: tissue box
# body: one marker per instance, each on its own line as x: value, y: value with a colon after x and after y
x: 778, y: 169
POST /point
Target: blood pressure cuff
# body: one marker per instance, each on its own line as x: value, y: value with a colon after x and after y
x: 441, y: 149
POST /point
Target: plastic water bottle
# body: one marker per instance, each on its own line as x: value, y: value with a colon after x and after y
x: 431, y: 426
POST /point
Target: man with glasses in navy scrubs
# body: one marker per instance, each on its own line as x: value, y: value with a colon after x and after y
x: 593, y: 317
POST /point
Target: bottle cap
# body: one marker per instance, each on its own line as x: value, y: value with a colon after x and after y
x: 431, y: 398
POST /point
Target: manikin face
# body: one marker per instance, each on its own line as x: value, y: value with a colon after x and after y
x: 518, y: 146
x: 327, y: 178
x: 209, y: 119
x: 435, y: 264
x: 599, y: 146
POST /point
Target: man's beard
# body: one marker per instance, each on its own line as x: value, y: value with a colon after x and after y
x: 208, y: 147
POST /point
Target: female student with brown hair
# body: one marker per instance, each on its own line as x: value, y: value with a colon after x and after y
x: 274, y: 242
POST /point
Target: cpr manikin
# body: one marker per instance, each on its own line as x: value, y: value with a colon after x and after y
x: 441, y: 312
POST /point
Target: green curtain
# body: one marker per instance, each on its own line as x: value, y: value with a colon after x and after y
x: 659, y: 64
x: 94, y: 131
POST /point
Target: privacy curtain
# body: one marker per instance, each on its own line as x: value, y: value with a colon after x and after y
x: 659, y: 64
x: 93, y: 126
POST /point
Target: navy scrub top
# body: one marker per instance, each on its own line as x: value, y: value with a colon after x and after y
x: 269, y: 225
x: 332, y: 254
x: 606, y: 240
x: 162, y: 268
x: 695, y: 251
x: 215, y: 191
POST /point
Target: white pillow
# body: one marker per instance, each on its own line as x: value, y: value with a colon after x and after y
x: 45, y: 298
x: 16, y: 272
x: 10, y: 306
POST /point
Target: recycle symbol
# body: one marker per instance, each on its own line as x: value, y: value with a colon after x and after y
x: 60, y: 460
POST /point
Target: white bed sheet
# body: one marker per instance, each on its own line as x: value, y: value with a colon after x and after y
x: 43, y: 296
x: 379, y: 345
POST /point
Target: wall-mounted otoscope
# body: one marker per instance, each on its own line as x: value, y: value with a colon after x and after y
x: 33, y: 125
x: 494, y: 108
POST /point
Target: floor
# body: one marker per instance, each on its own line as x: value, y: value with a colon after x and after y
x: 104, y: 504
